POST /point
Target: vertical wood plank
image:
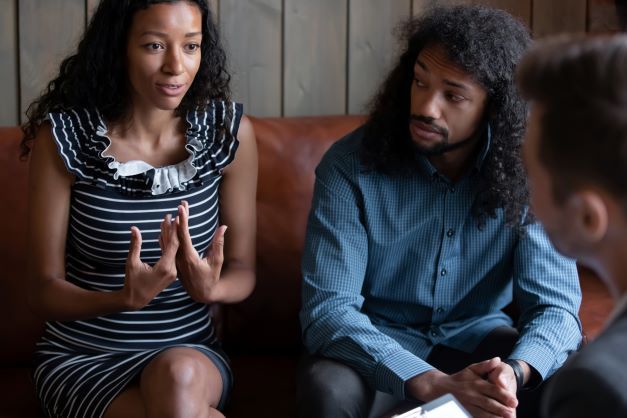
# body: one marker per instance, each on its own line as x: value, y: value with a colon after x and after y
x: 48, y: 30
x: 9, y: 104
x: 518, y: 8
x: 602, y: 16
x: 91, y: 7
x: 371, y: 54
x: 315, y: 57
x: 419, y: 6
x: 558, y: 16
x: 254, y: 52
x: 214, y: 5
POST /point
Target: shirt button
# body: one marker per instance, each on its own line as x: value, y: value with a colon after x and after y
x: 440, y: 310
x: 452, y: 189
x: 443, y: 272
x: 450, y: 232
x: 434, y: 334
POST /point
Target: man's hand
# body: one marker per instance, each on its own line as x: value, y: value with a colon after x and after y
x: 199, y: 276
x: 504, y: 376
x: 482, y: 398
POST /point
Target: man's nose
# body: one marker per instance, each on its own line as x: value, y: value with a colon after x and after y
x: 429, y: 106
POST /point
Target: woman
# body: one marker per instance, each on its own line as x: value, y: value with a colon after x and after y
x: 138, y: 157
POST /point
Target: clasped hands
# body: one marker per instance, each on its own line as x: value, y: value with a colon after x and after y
x: 198, y: 275
x: 486, y: 389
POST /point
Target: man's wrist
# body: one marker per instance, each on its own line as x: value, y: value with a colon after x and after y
x: 519, y: 372
x: 421, y: 387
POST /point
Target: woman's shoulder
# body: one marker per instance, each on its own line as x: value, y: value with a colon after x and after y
x: 215, y: 115
x: 80, y: 137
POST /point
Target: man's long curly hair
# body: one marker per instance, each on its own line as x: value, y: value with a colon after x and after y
x: 95, y: 77
x: 487, y: 44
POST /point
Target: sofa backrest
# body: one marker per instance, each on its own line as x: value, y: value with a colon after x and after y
x: 19, y: 328
x: 289, y: 150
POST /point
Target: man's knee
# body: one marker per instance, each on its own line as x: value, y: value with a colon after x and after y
x: 329, y: 388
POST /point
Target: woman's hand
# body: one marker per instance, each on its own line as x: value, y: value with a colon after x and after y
x: 198, y: 275
x: 143, y: 282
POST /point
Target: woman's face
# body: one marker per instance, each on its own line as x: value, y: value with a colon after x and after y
x: 163, y: 54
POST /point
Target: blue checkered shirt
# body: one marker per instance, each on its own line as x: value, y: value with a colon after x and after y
x: 395, y: 265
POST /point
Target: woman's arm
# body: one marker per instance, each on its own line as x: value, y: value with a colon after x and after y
x: 50, y: 295
x: 238, y: 210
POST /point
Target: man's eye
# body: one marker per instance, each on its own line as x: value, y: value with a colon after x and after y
x: 418, y: 82
x: 455, y: 97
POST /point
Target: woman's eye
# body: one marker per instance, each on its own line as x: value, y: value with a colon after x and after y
x: 154, y: 46
x: 193, y: 47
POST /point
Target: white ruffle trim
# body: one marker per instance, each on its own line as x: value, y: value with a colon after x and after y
x: 165, y: 178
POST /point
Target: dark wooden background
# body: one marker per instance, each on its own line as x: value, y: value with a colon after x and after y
x: 288, y: 57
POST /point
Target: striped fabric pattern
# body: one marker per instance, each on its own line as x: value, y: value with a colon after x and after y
x: 393, y: 266
x: 82, y: 365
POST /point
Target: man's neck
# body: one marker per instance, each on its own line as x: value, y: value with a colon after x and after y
x: 611, y: 265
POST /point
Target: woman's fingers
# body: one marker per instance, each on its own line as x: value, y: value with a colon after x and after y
x: 135, y: 248
x: 217, y: 247
x: 182, y: 226
x: 169, y: 239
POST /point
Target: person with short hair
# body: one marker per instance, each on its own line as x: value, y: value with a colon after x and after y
x: 576, y: 156
x: 419, y: 236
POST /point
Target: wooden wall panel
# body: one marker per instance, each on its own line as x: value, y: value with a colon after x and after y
x: 315, y: 57
x: 288, y: 57
x: 254, y: 52
x: 48, y: 30
x: 371, y: 54
x: 419, y: 6
x: 602, y: 16
x: 518, y: 8
x: 9, y: 104
x: 91, y: 7
x: 214, y: 5
x: 558, y: 16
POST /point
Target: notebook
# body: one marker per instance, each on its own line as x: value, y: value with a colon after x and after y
x: 443, y: 407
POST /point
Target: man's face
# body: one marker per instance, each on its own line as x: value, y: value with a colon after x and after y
x: 447, y: 103
x: 557, y: 218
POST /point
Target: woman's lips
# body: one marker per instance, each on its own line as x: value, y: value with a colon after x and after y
x: 171, y: 89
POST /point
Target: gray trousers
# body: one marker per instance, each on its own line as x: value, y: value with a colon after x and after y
x: 330, y: 389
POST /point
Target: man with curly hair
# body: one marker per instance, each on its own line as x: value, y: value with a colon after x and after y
x: 419, y: 237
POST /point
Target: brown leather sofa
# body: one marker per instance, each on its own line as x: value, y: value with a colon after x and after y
x: 261, y: 334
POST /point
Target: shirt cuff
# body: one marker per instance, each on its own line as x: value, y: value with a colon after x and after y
x: 540, y: 358
x: 391, y: 374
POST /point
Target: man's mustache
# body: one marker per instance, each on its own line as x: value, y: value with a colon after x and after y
x: 429, y: 121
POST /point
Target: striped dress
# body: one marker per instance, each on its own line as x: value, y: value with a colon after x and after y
x: 80, y: 366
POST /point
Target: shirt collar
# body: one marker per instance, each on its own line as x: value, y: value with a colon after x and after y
x: 431, y: 171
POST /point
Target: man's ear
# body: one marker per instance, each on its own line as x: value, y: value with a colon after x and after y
x: 590, y: 215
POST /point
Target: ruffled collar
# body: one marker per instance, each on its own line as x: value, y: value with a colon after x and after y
x: 164, y: 179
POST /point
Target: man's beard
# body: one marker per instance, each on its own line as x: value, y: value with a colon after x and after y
x: 440, y: 148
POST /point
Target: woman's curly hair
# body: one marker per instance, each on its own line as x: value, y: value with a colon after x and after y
x: 95, y: 77
x: 487, y: 43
